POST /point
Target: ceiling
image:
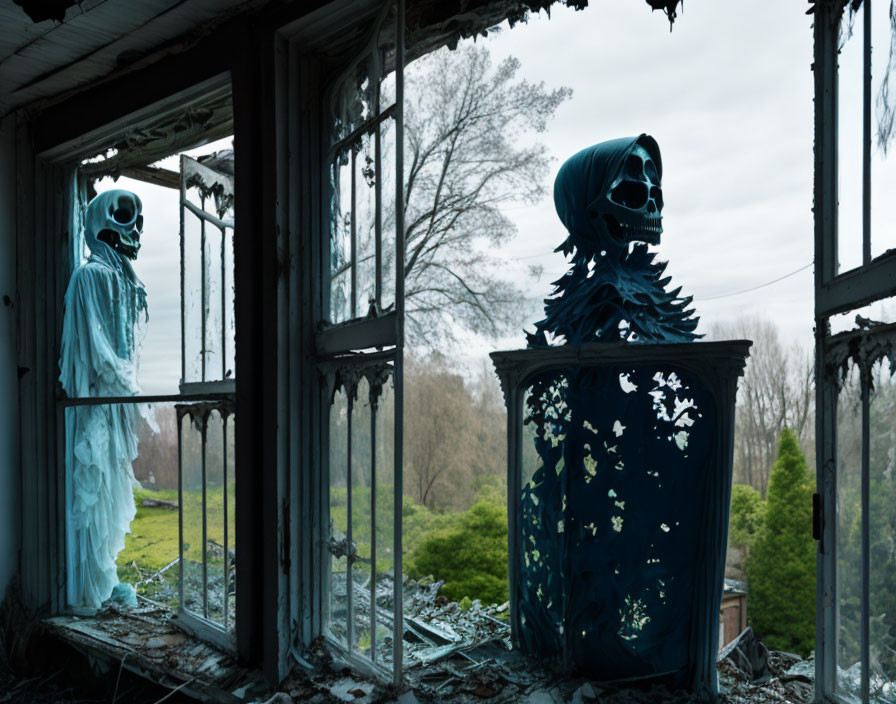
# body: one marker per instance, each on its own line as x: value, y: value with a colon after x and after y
x: 95, y: 37
x: 52, y: 47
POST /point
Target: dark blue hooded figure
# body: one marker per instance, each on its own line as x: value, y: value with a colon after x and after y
x: 607, y: 573
x: 610, y: 199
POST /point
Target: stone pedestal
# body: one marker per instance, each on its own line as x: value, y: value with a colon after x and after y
x: 619, y: 483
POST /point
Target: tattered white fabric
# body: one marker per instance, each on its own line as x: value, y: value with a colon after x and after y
x: 99, y: 358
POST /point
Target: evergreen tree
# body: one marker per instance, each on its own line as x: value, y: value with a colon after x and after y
x: 781, y: 564
x: 747, y: 516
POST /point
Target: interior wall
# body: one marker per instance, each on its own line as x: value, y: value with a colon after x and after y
x: 9, y: 417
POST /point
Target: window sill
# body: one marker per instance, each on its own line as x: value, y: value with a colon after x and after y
x: 149, y: 642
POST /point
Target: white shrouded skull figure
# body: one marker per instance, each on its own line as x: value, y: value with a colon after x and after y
x: 116, y: 218
x: 99, y: 358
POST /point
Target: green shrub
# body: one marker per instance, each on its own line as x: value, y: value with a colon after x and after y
x: 470, y: 556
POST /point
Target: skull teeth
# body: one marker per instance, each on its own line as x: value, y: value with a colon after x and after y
x: 642, y: 228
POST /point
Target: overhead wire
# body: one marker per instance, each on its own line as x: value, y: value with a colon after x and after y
x: 704, y: 298
x: 756, y: 288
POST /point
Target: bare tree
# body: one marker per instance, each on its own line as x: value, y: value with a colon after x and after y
x: 439, y: 430
x: 469, y: 151
x: 777, y: 390
x: 490, y: 420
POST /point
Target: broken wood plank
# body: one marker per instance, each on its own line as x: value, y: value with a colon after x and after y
x: 154, y: 175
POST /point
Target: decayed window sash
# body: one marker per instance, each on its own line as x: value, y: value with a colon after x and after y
x: 215, y: 191
x: 875, y: 278
x: 836, y: 292
x: 381, y: 328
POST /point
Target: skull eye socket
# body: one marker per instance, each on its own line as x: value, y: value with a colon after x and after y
x: 634, y: 167
x: 123, y: 215
x: 650, y: 170
x: 657, y: 195
x: 140, y: 222
x: 631, y: 194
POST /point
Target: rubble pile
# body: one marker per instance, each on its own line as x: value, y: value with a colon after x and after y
x: 462, y: 654
x: 750, y: 674
x: 882, y: 688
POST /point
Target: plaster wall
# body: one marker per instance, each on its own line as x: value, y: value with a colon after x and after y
x: 10, y: 505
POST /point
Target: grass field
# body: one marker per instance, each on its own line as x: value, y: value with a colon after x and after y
x: 153, y: 544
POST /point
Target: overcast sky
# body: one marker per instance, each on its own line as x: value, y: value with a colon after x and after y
x: 728, y: 96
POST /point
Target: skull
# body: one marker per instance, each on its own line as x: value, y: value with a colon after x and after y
x: 632, y: 207
x: 115, y: 217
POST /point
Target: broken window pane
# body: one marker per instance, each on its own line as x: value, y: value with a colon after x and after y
x: 883, y: 127
x: 355, y: 98
x: 230, y: 511
x: 366, y: 188
x: 882, y: 515
x: 191, y: 486
x: 150, y: 559
x: 849, y: 534
x: 849, y: 147
x: 360, y: 114
x: 353, y: 101
x: 387, y: 186
x: 385, y: 520
x: 337, y: 545
x: 215, y: 241
x: 361, y: 554
x: 192, y: 298
x: 355, y: 225
x: 219, y: 517
x: 208, y: 510
x: 341, y: 261
x: 361, y: 534
x: 208, y: 279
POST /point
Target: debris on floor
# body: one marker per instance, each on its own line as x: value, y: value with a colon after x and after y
x: 785, y: 678
x: 452, y: 653
x: 882, y: 688
x: 464, y: 656
x: 749, y: 655
x: 149, y: 642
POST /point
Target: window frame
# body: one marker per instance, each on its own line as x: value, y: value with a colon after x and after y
x: 49, y: 242
x: 841, y: 292
x: 190, y: 393
x: 326, y: 348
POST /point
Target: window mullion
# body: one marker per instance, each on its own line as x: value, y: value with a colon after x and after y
x: 204, y: 437
x: 866, y: 531
x: 349, y: 549
x: 180, y: 510
x: 373, y: 409
x: 398, y: 378
x: 183, y: 277
x: 378, y: 215
x: 866, y: 137
x: 203, y: 263
x: 223, y: 303
x: 354, y: 303
x: 365, y: 127
x: 224, y: 420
